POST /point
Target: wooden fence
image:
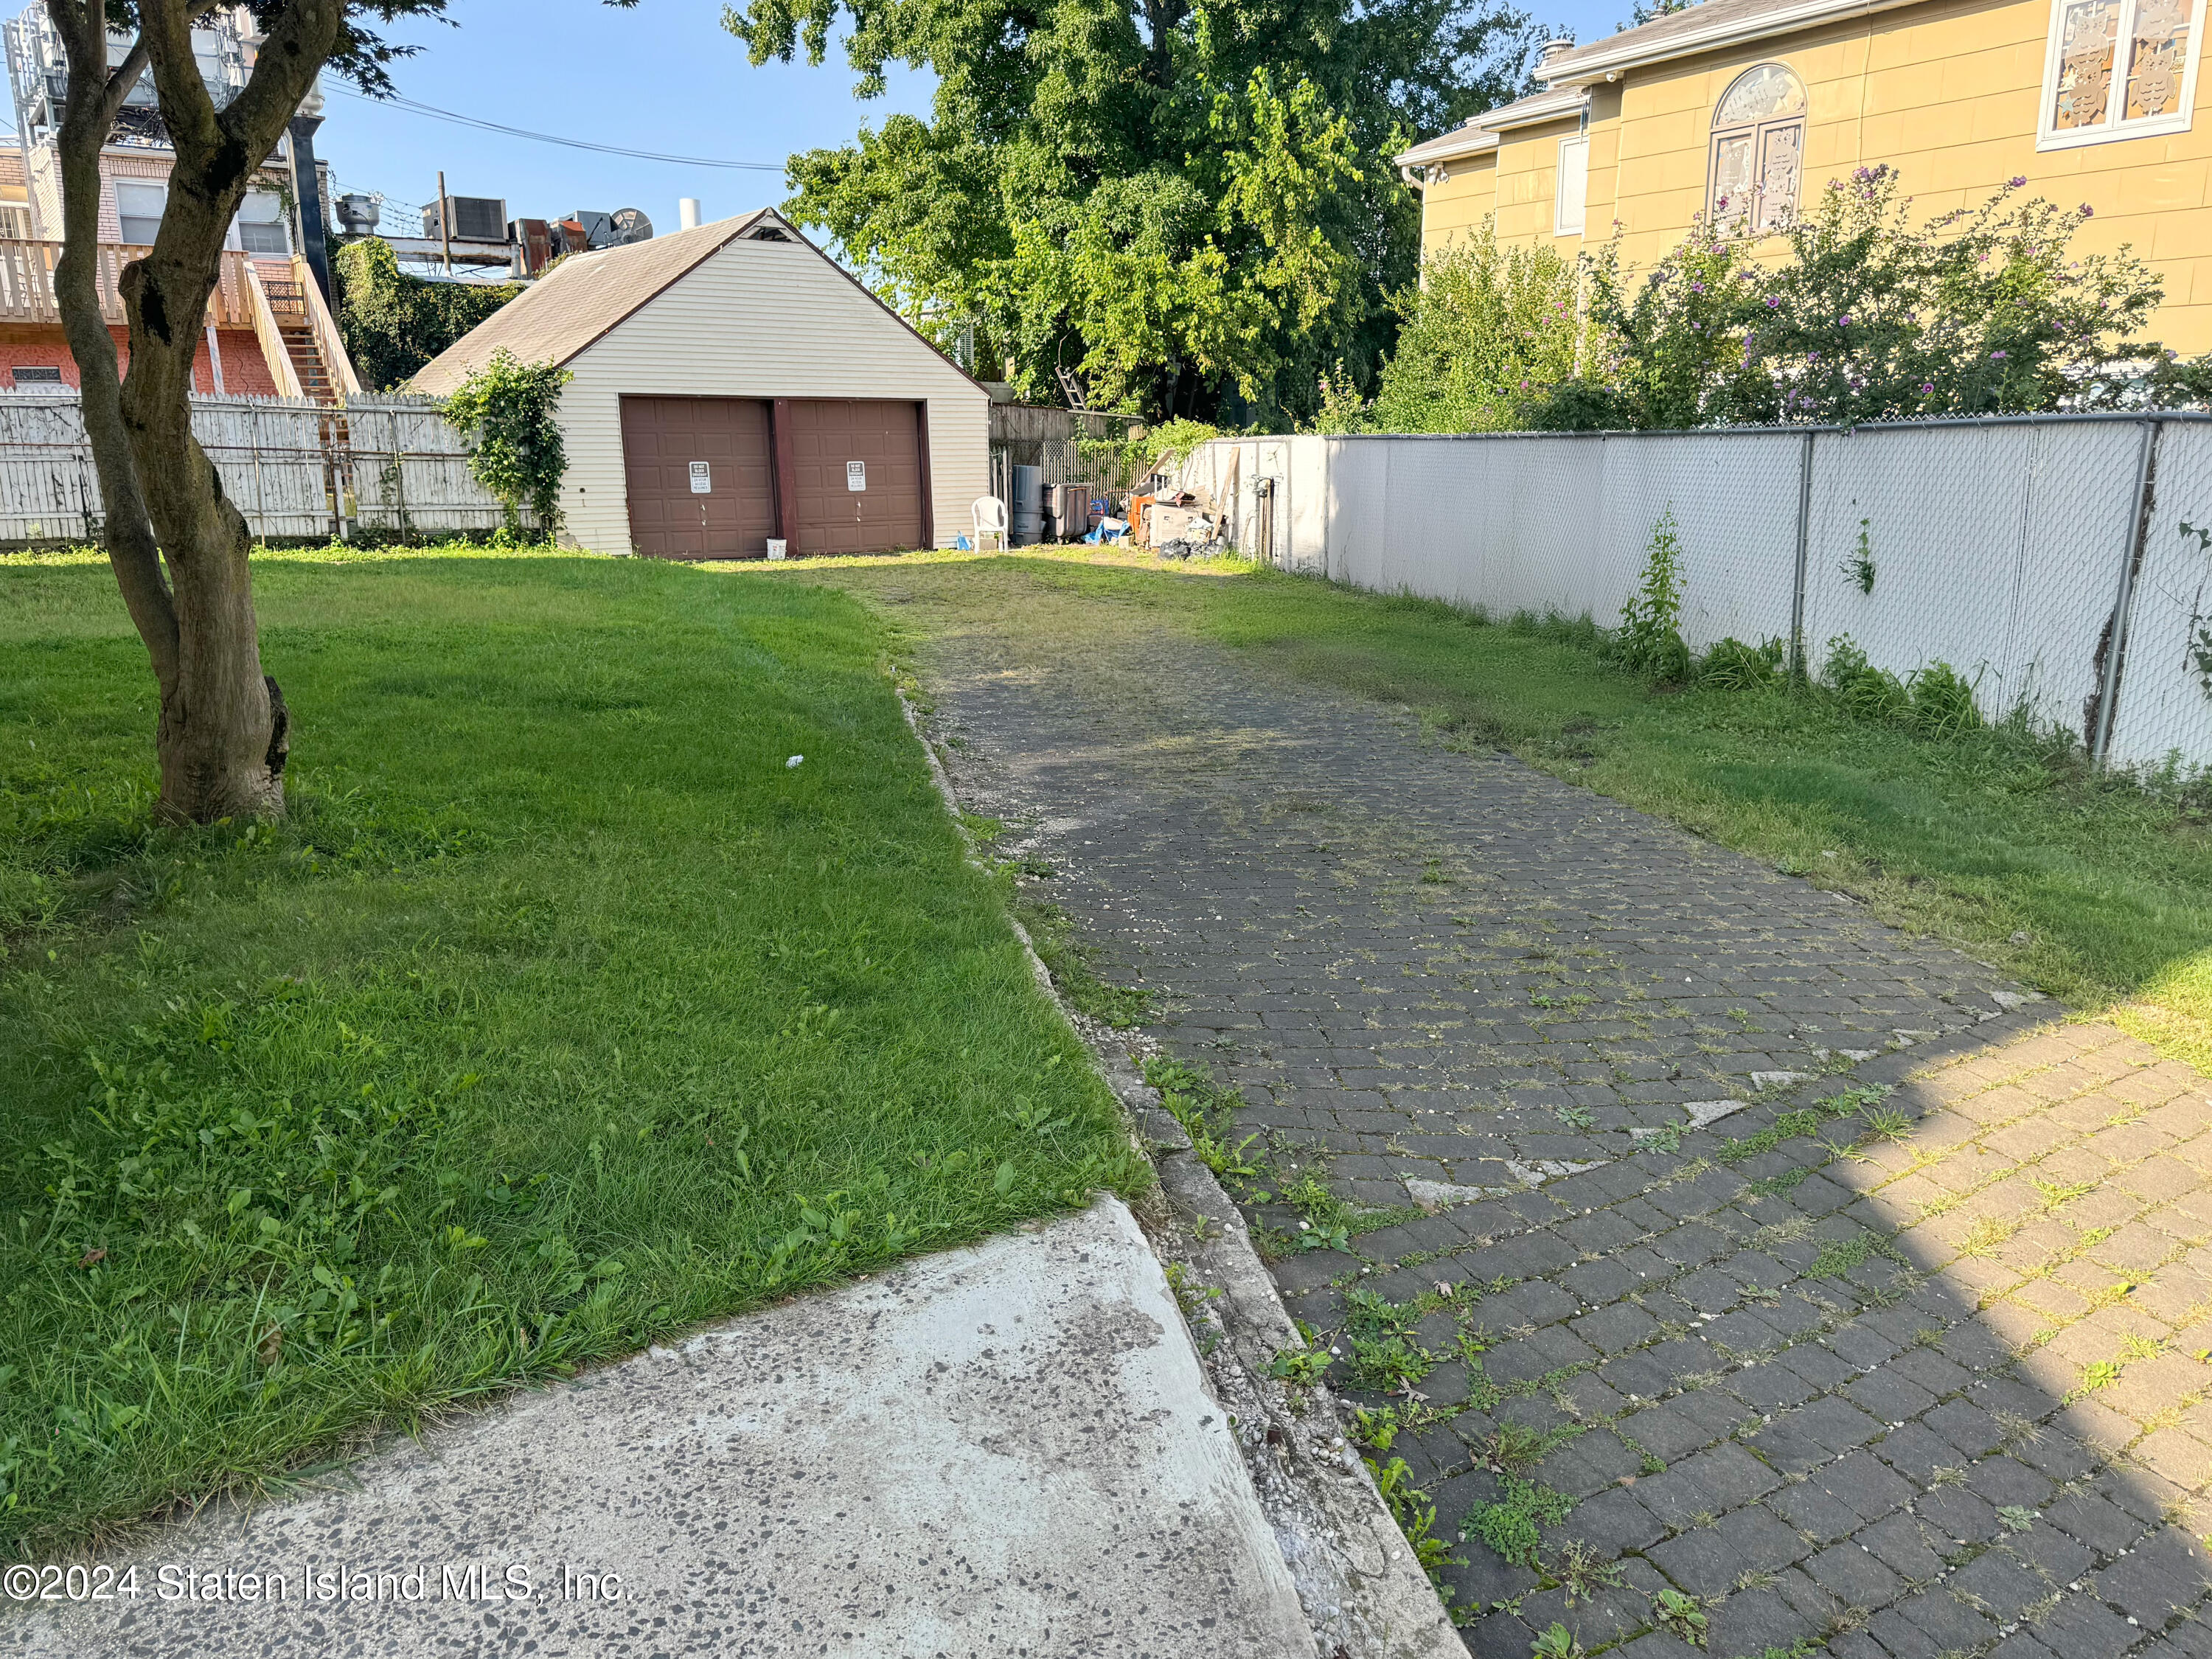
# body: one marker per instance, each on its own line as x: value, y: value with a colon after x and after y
x: 299, y: 471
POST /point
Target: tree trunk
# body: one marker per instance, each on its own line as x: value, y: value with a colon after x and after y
x: 222, y: 743
x: 223, y: 736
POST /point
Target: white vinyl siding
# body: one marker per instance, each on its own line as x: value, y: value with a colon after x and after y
x: 764, y: 320
x: 1570, y: 201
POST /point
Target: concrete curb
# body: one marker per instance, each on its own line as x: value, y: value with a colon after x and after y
x: 1363, y: 1592
x: 906, y: 1465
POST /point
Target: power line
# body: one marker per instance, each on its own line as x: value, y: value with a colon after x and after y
x: 435, y: 113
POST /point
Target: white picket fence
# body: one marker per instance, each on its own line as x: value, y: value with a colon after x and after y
x: 2044, y: 558
x: 299, y: 471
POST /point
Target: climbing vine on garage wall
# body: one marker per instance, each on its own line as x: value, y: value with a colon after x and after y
x: 508, y: 407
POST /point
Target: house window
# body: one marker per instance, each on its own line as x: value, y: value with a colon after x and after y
x: 1757, y: 152
x: 2118, y: 69
x: 261, y: 224
x: 1570, y: 201
x: 139, y: 207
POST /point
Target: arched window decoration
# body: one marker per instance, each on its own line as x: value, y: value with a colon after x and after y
x: 1758, y: 151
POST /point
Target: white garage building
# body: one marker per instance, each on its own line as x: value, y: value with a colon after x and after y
x: 731, y: 384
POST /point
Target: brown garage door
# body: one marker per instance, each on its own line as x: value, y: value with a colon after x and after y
x: 664, y: 441
x: 837, y: 509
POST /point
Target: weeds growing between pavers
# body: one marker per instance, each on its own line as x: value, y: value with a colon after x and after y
x: 1665, y: 1368
x: 2095, y: 890
x: 562, y: 1013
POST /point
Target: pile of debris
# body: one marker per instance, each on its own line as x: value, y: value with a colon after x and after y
x: 1178, y: 525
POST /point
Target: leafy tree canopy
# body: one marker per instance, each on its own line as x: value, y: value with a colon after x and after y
x: 359, y: 54
x: 1188, y: 203
x: 1486, y: 329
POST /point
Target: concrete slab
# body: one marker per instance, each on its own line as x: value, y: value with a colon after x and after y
x: 1008, y: 1449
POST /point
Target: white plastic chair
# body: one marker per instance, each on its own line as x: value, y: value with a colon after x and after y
x: 988, y: 515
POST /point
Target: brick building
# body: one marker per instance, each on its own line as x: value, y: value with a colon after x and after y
x: 269, y: 331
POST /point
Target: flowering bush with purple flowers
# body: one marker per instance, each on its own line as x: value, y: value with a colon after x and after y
x: 1671, y: 348
x: 1982, y: 310
x: 1872, y: 314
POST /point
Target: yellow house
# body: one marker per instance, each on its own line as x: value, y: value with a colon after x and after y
x: 1737, y: 108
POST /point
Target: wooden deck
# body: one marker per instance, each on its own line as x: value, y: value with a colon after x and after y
x: 27, y: 284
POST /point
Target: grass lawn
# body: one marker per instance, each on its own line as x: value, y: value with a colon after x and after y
x: 1975, y: 839
x: 561, y: 1014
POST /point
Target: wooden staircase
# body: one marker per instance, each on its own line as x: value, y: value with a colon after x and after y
x: 288, y: 301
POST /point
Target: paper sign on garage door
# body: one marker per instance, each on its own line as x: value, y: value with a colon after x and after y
x: 856, y: 475
x: 702, y: 480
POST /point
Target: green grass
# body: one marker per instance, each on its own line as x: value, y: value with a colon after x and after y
x: 1805, y: 1120
x: 1513, y: 1524
x: 1070, y: 961
x: 561, y: 1014
x: 1973, y: 838
x: 1838, y: 1256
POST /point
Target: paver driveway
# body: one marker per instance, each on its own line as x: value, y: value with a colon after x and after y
x: 1828, y: 1283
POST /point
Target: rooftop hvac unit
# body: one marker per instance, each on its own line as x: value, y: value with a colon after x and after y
x: 476, y: 219
x: 591, y: 225
x: 587, y: 227
x: 358, y: 214
x: 535, y: 238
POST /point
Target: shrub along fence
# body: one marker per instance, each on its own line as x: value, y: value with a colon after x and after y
x: 2061, y: 564
x: 386, y: 466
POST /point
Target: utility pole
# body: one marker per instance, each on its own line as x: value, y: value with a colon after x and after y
x: 446, y: 220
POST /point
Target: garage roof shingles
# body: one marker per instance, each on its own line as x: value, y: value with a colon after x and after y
x: 584, y: 296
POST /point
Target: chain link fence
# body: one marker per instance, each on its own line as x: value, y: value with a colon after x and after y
x: 2162, y: 695
x: 2044, y: 558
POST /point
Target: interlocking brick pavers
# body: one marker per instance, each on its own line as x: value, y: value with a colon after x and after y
x: 1824, y: 1283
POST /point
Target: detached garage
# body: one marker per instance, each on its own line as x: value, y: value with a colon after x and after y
x: 733, y: 385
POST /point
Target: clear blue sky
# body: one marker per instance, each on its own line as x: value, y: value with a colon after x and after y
x: 664, y: 76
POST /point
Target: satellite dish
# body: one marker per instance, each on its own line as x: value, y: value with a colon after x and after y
x: 627, y: 225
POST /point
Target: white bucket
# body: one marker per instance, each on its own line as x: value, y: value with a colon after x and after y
x: 776, y: 549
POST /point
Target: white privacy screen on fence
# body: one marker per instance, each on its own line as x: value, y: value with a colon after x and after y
x: 298, y: 471
x: 2006, y: 549
x: 2164, y: 702
x: 1997, y: 550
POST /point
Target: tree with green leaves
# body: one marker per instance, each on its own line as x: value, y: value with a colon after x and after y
x: 1189, y: 206
x: 178, y: 544
x: 1486, y: 326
